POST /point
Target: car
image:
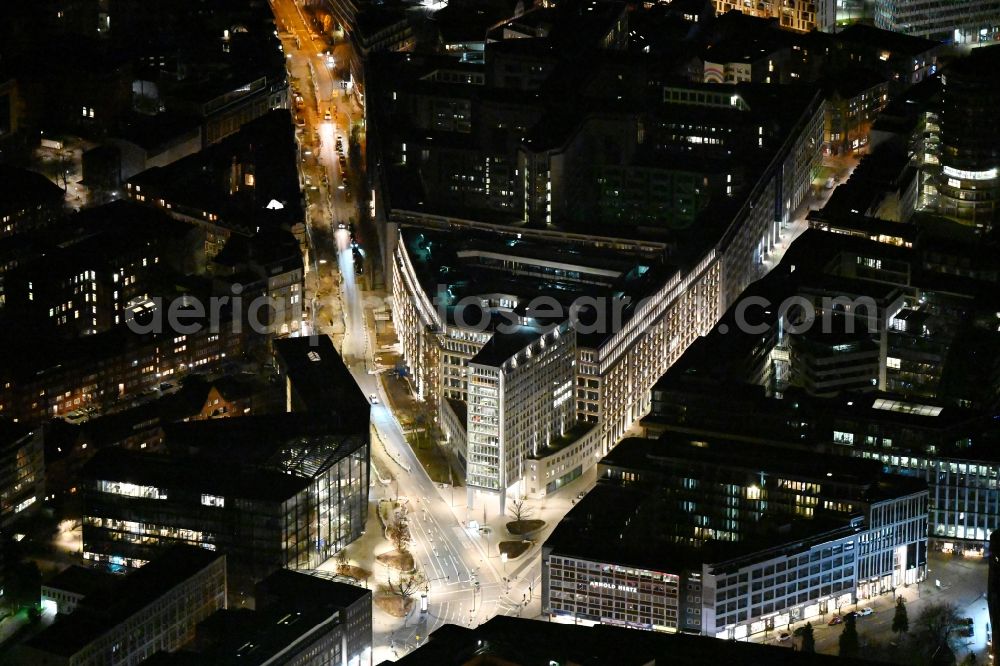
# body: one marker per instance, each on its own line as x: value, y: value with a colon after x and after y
x: 581, y: 494
x: 75, y: 417
x: 326, y: 116
x: 865, y: 612
x: 784, y: 636
x: 835, y: 620
x: 373, y: 398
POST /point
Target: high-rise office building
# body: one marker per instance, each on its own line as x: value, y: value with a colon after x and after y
x: 520, y: 399
x: 966, y: 22
x: 969, y: 182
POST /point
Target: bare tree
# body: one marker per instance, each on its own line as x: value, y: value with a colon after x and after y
x: 406, y: 585
x: 519, y: 511
x: 935, y: 626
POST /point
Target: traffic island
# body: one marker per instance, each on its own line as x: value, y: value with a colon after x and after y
x: 513, y: 549
x: 524, y: 527
x: 394, y: 605
x: 397, y: 560
x: 356, y: 573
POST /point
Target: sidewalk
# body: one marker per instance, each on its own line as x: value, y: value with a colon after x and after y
x: 962, y: 583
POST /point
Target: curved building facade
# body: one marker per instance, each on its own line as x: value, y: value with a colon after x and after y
x: 969, y: 182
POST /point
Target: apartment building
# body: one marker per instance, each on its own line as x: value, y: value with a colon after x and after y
x: 799, y: 15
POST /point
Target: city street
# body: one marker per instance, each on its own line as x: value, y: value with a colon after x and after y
x: 465, y: 586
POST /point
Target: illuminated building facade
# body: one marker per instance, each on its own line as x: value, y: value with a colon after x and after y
x: 728, y: 539
x: 270, y: 492
x: 22, y: 469
x: 800, y: 15
x: 129, y: 620
x: 670, y: 279
x: 967, y: 22
x: 968, y: 186
x: 520, y: 399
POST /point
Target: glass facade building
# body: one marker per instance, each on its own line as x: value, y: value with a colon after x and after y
x: 295, y: 510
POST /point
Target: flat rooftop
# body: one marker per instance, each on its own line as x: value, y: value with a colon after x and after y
x: 218, y: 477
x: 625, y: 525
x: 318, y: 375
x: 103, y: 610
x: 508, y: 640
x: 457, y: 271
x: 712, y: 451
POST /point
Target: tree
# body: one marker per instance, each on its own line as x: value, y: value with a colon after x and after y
x: 519, y: 511
x: 934, y: 627
x: 342, y: 561
x: 398, y: 533
x: 808, y: 640
x: 849, y: 644
x: 900, y: 621
x: 406, y: 585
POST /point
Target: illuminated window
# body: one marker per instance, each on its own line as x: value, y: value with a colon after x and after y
x: 131, y: 490
x: 843, y: 437
x: 213, y: 500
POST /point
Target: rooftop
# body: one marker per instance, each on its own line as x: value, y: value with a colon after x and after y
x: 507, y: 640
x: 625, y: 525
x: 103, y: 610
x: 234, y: 179
x: 292, y: 589
x: 81, y: 580
x: 319, y: 377
x: 459, y: 273
x: 297, y: 443
x: 876, y: 38
x: 217, y: 477
x: 26, y: 189
x: 865, y: 476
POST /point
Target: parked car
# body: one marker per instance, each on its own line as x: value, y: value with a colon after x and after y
x: 835, y: 620
x: 865, y: 612
x: 784, y: 636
